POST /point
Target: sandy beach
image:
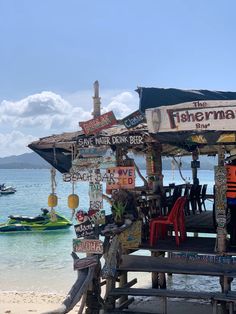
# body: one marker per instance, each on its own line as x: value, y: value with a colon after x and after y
x: 29, y: 302
x: 36, y: 303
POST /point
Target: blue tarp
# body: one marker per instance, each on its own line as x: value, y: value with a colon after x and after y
x: 151, y: 97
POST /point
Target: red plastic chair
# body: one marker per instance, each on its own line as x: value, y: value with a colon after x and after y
x: 175, y: 219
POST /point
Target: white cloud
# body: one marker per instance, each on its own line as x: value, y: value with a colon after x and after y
x: 15, y: 143
x: 122, y: 104
x: 37, y: 110
x: 48, y: 113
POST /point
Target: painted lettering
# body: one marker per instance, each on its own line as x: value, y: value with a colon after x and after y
x: 189, y: 116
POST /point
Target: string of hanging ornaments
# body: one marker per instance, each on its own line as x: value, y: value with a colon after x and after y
x: 73, y: 199
x: 52, y: 198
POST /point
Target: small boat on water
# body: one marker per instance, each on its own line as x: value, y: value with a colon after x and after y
x: 5, y: 190
x: 43, y: 222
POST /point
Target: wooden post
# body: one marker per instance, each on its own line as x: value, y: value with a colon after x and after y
x: 154, y: 171
x: 220, y: 201
x: 123, y: 279
x: 110, y: 255
x: 194, y: 175
x: 220, y: 213
x: 194, y: 166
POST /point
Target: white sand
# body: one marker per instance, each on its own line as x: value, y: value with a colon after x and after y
x: 30, y: 302
x: 35, y: 303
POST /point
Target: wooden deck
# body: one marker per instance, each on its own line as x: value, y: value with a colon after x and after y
x: 201, y: 223
x: 203, y: 243
x: 159, y: 264
x: 192, y: 244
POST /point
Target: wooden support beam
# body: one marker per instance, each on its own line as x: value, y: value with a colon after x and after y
x: 126, y: 304
x: 122, y: 283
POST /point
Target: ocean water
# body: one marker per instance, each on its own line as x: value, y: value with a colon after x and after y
x: 41, y: 261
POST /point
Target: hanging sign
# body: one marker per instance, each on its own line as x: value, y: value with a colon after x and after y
x: 88, y: 261
x: 205, y: 115
x: 125, y: 178
x: 94, y: 162
x: 97, y: 217
x: 133, y: 119
x: 95, y: 196
x: 92, y: 152
x: 110, y: 140
x: 89, y: 176
x: 99, y: 123
x: 85, y: 163
x: 88, y: 246
x: 84, y: 229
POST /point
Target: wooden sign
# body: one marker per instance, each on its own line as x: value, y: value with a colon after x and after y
x: 124, y: 176
x: 131, y: 237
x: 89, y: 176
x: 110, y: 140
x: 133, y: 119
x: 84, y: 229
x: 88, y: 261
x: 99, y: 123
x: 88, y: 246
x: 95, y: 196
x: 92, y: 152
x: 97, y: 217
x: 197, y: 115
x: 94, y: 162
x: 86, y: 163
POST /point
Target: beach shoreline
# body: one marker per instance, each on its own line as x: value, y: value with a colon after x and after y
x: 23, y: 302
x: 15, y: 302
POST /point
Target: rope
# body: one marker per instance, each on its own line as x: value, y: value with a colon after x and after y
x: 53, y: 180
x: 179, y: 165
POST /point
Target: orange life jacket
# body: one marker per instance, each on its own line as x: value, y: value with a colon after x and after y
x: 231, y: 181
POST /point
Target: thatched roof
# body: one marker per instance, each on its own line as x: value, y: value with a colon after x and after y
x: 178, y: 140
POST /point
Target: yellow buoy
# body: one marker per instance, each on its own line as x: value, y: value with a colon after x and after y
x: 73, y: 201
x: 52, y: 200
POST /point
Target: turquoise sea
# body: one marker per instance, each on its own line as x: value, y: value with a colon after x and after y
x: 41, y: 261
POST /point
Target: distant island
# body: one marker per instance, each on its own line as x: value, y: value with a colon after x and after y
x: 34, y: 161
x: 24, y: 161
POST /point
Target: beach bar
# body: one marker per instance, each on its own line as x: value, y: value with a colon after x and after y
x: 169, y: 222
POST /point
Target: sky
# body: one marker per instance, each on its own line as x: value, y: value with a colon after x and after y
x: 52, y: 51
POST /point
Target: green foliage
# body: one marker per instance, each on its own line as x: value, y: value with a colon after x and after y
x: 118, y: 209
